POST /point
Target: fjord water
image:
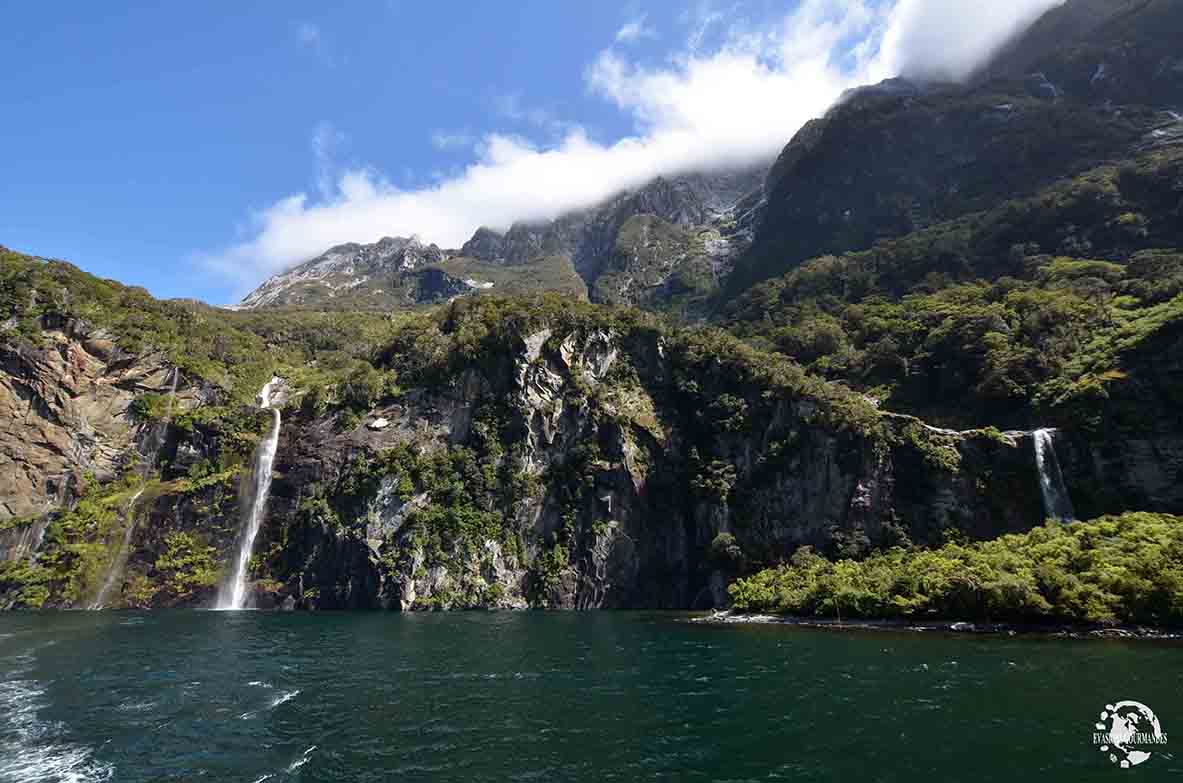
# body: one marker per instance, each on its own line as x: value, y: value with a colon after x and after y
x: 250, y: 696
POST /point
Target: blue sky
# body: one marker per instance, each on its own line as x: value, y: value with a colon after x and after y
x: 195, y: 148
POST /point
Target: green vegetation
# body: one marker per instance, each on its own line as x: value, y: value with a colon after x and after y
x: 1027, y: 312
x: 882, y: 165
x: 78, y: 549
x: 1126, y: 569
x: 235, y: 352
x: 546, y: 273
x: 912, y: 285
x: 426, y: 286
x: 23, y: 585
x: 186, y: 567
x: 714, y: 370
x: 658, y: 265
x: 150, y: 407
x: 461, y: 498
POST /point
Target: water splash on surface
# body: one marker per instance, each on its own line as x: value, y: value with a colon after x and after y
x: 295, y: 765
x: 1056, y: 502
x: 31, y: 748
x: 283, y: 698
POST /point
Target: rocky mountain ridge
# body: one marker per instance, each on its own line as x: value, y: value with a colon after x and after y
x: 1090, y: 83
x: 704, y: 222
x: 343, y: 268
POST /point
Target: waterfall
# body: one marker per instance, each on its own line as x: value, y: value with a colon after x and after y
x: 233, y: 594
x: 1056, y: 502
x: 172, y: 393
x: 147, y: 462
x: 119, y: 562
x: 22, y: 541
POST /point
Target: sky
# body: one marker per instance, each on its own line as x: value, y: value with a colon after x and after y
x: 197, y: 148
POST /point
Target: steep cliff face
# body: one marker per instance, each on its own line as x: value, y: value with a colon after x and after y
x: 605, y: 468
x: 666, y: 246
x: 1127, y: 450
x: 533, y: 455
x: 1090, y: 83
x: 64, y: 414
x: 392, y: 272
x: 1123, y: 51
x: 610, y: 468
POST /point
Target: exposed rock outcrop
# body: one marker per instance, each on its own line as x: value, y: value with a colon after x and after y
x: 705, y: 221
x: 655, y: 487
x: 342, y: 269
x: 64, y: 414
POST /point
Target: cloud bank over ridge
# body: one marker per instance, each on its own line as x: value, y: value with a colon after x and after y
x: 737, y: 103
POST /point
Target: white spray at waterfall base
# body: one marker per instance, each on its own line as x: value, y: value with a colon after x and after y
x: 1056, y: 502
x: 234, y: 592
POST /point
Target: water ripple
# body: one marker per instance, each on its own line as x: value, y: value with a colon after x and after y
x: 31, y: 748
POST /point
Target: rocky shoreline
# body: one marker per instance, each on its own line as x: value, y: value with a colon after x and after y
x: 1056, y: 631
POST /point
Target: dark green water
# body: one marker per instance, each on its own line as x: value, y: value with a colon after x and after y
x: 207, y: 696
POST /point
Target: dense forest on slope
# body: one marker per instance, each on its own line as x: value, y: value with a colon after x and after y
x: 1025, y: 313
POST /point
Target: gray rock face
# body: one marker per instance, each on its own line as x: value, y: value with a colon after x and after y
x: 21, y: 541
x: 434, y: 285
x: 652, y: 502
x: 617, y: 440
x: 1122, y: 51
x: 589, y: 236
x: 344, y: 268
x: 400, y: 271
x: 896, y: 158
x: 63, y: 414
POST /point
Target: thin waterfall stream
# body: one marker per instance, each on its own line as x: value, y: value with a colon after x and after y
x: 1056, y: 502
x: 234, y: 593
x: 119, y: 561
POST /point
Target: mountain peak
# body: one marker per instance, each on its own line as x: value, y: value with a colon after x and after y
x: 343, y: 268
x: 689, y: 223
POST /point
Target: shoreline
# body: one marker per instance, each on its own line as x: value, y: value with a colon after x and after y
x: 954, y: 627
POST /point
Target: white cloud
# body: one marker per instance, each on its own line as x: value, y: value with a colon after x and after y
x: 635, y: 30
x: 445, y: 140
x: 947, y: 40
x: 736, y: 103
x: 704, y: 16
x: 326, y: 141
x: 308, y: 34
x: 310, y: 37
x: 511, y: 107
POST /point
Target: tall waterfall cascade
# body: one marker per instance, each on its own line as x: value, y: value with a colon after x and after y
x: 1056, y: 502
x: 254, y: 504
x: 119, y: 562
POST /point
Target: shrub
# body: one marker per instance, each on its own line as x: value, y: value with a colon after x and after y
x: 1126, y: 568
